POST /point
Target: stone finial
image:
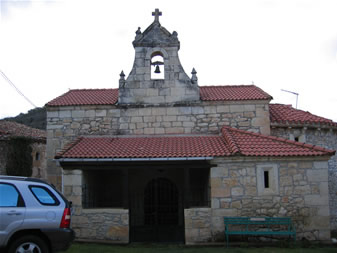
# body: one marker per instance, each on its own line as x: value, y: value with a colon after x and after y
x: 121, y: 79
x: 194, y: 77
x: 156, y: 15
x: 138, y: 34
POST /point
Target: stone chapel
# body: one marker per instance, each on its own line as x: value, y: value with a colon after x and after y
x: 162, y: 158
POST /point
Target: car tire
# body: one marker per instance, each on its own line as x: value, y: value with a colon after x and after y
x: 29, y: 242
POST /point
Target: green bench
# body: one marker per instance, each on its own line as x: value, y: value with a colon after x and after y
x: 258, y: 226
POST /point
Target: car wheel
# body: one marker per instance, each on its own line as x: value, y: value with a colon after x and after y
x: 29, y: 244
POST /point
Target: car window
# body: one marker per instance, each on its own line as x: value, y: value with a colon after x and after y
x: 9, y: 196
x: 44, y: 195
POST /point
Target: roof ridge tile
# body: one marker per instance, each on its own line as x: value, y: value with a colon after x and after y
x: 230, y: 140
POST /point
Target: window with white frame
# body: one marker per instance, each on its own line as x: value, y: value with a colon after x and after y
x: 267, y: 179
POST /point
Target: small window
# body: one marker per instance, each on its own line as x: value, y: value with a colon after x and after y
x: 37, y: 156
x: 44, y: 196
x: 10, y: 197
x: 297, y: 139
x: 266, y: 178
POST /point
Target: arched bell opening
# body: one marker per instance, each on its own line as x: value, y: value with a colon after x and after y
x: 157, y: 65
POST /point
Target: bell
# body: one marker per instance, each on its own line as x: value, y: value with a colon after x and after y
x: 157, y: 70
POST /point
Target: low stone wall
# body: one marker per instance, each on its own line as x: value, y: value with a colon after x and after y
x: 197, y: 225
x: 102, y: 224
x: 106, y: 224
x: 301, y: 193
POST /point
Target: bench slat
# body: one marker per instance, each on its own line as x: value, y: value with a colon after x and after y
x: 248, y: 222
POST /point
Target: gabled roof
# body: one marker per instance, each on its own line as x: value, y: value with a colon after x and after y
x: 12, y: 129
x: 86, y: 97
x: 233, y: 93
x: 207, y: 93
x: 286, y: 114
x: 156, y: 36
x: 254, y: 144
x: 232, y: 142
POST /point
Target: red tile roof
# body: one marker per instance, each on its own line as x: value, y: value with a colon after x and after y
x: 253, y: 144
x: 86, y: 97
x: 232, y: 142
x: 145, y: 147
x: 286, y: 114
x: 207, y: 93
x: 232, y: 93
x: 10, y: 128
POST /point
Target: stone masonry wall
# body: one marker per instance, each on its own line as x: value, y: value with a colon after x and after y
x: 94, y: 224
x: 39, y: 166
x: 3, y: 155
x: 302, y: 194
x: 141, y: 88
x: 65, y: 124
x: 197, y: 225
x: 325, y: 138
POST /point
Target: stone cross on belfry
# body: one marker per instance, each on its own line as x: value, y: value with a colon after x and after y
x: 156, y: 15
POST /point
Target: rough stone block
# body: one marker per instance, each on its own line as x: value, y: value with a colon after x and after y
x: 236, y: 108
x: 145, y: 112
x: 222, y: 108
x: 220, y: 192
x: 52, y: 114
x: 148, y: 130
x: 317, y: 175
x: 137, y: 119
x: 157, y: 111
x: 170, y: 118
x: 174, y: 130
x: 320, y: 165
x: 249, y: 108
x: 197, y: 110
x: 224, y: 212
x: 219, y: 172
x: 237, y: 191
x: 100, y: 113
x: 65, y: 114
x: 159, y: 130
x: 78, y: 113
x: 210, y: 109
x: 316, y: 200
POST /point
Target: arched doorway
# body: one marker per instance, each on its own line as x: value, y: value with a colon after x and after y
x: 161, y: 203
x: 161, y: 217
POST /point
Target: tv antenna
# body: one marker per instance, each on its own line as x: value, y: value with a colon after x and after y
x: 292, y: 93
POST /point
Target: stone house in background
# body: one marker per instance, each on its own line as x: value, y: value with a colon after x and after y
x: 163, y: 158
x: 8, y: 130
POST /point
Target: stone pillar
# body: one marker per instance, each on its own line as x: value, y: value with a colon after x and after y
x: 197, y: 225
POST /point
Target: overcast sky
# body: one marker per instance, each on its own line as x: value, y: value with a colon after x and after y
x: 49, y: 47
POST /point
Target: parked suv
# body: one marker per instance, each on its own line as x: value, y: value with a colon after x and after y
x: 34, y: 216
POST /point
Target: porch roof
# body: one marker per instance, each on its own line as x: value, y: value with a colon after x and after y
x: 231, y: 142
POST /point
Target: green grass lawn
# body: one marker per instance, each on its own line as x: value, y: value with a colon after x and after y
x: 162, y: 248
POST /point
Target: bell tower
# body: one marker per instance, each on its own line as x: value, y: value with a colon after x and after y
x: 157, y: 76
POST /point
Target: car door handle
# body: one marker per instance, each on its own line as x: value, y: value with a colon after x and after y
x: 13, y: 213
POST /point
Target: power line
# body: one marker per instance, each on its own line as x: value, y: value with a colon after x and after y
x: 17, y: 90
